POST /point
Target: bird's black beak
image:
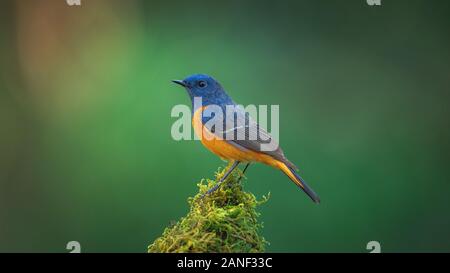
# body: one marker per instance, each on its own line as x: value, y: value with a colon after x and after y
x: 179, y: 82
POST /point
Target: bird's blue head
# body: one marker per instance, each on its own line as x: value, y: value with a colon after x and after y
x: 207, y: 88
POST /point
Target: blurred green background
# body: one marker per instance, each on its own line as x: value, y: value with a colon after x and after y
x: 85, y: 98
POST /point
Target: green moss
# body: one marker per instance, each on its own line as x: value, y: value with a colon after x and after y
x: 224, y: 221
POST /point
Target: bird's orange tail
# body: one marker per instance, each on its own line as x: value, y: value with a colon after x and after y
x: 295, y: 177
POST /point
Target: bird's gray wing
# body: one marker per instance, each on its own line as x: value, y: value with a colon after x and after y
x: 245, y: 133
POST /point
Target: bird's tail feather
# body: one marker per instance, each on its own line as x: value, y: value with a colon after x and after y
x: 295, y: 177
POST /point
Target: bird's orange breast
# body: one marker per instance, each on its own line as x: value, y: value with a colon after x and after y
x: 223, y: 148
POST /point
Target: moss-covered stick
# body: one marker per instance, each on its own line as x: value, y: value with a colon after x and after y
x: 224, y: 221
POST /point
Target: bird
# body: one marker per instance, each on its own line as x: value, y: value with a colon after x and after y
x: 235, y: 150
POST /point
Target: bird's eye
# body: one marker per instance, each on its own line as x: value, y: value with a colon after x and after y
x: 202, y: 84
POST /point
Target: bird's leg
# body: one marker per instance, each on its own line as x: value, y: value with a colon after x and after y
x: 243, y: 172
x: 230, y: 170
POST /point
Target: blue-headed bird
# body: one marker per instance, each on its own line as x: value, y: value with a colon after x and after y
x: 236, y: 149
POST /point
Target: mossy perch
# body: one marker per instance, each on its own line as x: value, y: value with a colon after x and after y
x: 224, y: 221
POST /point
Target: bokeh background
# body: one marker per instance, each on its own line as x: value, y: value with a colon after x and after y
x: 85, y: 98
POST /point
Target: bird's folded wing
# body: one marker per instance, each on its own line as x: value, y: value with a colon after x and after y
x: 245, y: 133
